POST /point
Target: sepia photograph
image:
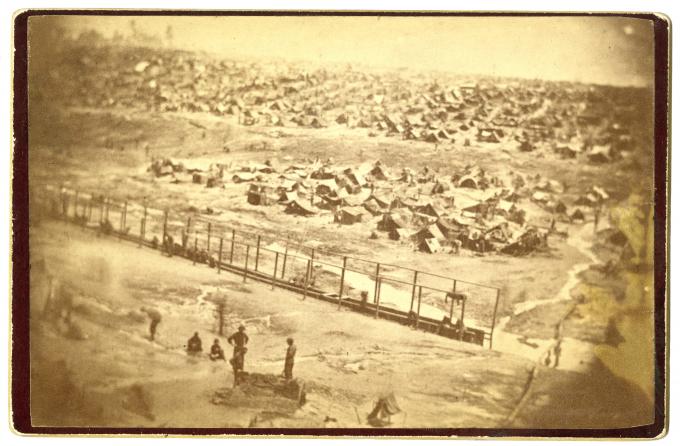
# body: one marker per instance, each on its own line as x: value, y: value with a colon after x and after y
x: 340, y: 223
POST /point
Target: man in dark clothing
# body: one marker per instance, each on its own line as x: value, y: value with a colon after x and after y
x: 238, y: 340
x: 216, y: 351
x: 290, y: 360
x: 194, y: 345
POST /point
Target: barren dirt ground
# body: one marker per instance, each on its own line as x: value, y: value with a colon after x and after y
x: 118, y: 377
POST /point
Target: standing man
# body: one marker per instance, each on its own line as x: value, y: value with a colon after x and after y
x: 238, y: 340
x: 290, y: 360
x: 155, y: 318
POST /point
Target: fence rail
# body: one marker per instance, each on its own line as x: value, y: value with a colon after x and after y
x: 345, y: 280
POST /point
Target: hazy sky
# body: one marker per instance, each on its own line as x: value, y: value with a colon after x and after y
x: 589, y: 49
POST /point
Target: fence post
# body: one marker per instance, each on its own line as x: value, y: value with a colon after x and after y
x: 461, y: 332
x: 453, y: 293
x: 285, y: 259
x: 413, y: 292
x: 257, y: 253
x: 89, y: 210
x: 208, y: 241
x: 75, y: 205
x: 342, y: 281
x: 245, y: 270
x: 101, y: 211
x: 62, y: 197
x: 375, y: 290
x: 276, y: 268
x: 165, y: 224
x: 309, y: 263
x: 124, y: 216
x: 309, y: 270
x: 493, y: 319
x: 219, y: 258
x: 233, y: 239
x: 106, y: 218
x: 420, y: 293
x: 143, y: 228
x: 377, y: 301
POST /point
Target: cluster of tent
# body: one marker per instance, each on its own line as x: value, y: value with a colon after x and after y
x: 468, y: 209
x: 575, y: 119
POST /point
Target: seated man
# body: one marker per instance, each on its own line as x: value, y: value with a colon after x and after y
x: 194, y: 345
x: 216, y: 351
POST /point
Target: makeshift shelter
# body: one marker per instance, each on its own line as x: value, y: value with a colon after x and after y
x: 298, y: 208
x: 578, y: 215
x: 372, y: 206
x: 429, y: 245
x: 468, y: 182
x: 504, y: 208
x: 260, y: 195
x: 394, y: 220
x: 287, y: 196
x: 241, y: 177
x: 349, y: 215
x: 431, y: 209
x: 431, y: 231
x: 401, y: 234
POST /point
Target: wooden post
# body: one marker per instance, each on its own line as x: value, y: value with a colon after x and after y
x: 189, y: 224
x: 420, y: 294
x: 208, y: 241
x: 62, y: 197
x: 75, y: 205
x: 453, y: 294
x: 309, y: 270
x: 219, y: 258
x: 413, y: 292
x: 124, y: 218
x: 276, y: 268
x: 377, y: 301
x: 233, y: 239
x: 257, y: 253
x: 309, y: 264
x: 285, y: 259
x: 245, y: 270
x: 461, y: 332
x: 108, y: 203
x: 165, y: 224
x: 342, y: 281
x: 493, y: 319
x: 193, y: 258
x: 101, y: 211
x: 377, y: 275
x: 143, y: 231
x: 89, y: 210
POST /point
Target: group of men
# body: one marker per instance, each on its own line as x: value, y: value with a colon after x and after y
x: 239, y: 340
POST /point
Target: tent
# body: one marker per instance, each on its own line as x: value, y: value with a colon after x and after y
x: 431, y: 231
x: 349, y: 215
x: 468, y: 181
x: 578, y: 214
x: 299, y: 208
x: 430, y: 245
